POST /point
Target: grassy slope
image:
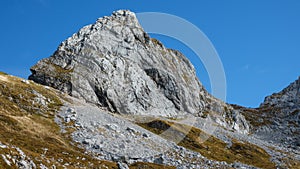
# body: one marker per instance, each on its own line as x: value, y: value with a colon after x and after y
x: 263, y: 117
x: 141, y: 165
x: 29, y: 125
x: 213, y: 148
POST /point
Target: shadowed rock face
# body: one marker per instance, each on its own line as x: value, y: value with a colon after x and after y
x: 113, y: 63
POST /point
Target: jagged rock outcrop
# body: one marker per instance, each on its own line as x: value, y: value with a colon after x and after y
x: 288, y: 98
x: 283, y: 111
x: 113, y: 63
x: 277, y: 120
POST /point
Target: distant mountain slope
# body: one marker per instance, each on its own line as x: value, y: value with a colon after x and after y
x: 277, y: 120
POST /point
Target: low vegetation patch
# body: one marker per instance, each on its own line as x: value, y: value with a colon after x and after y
x: 257, y: 117
x: 157, y: 42
x: 142, y: 165
x: 2, y: 73
x: 212, y: 148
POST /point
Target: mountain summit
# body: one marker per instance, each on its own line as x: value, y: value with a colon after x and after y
x: 114, y: 63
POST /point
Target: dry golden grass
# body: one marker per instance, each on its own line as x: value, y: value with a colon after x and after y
x: 142, y: 165
x: 288, y: 161
x: 291, y: 163
x: 156, y: 42
x: 252, y: 115
x: 213, y: 148
x: 3, y: 78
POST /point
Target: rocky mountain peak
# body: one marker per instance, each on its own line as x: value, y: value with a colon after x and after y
x: 288, y: 97
x: 126, y: 16
x: 114, y: 63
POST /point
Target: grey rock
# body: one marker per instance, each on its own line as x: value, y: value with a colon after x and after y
x: 39, y: 99
x: 145, y: 135
x: 288, y: 97
x: 70, y: 110
x: 113, y: 127
x: 114, y: 64
x: 282, y: 110
x: 25, y: 81
x: 6, y: 160
x: 122, y: 165
x: 131, y: 130
x: 159, y: 160
x: 67, y: 120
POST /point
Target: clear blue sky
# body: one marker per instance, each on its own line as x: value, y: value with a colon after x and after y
x: 258, y: 40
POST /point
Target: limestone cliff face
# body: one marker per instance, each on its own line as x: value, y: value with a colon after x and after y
x: 113, y: 63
